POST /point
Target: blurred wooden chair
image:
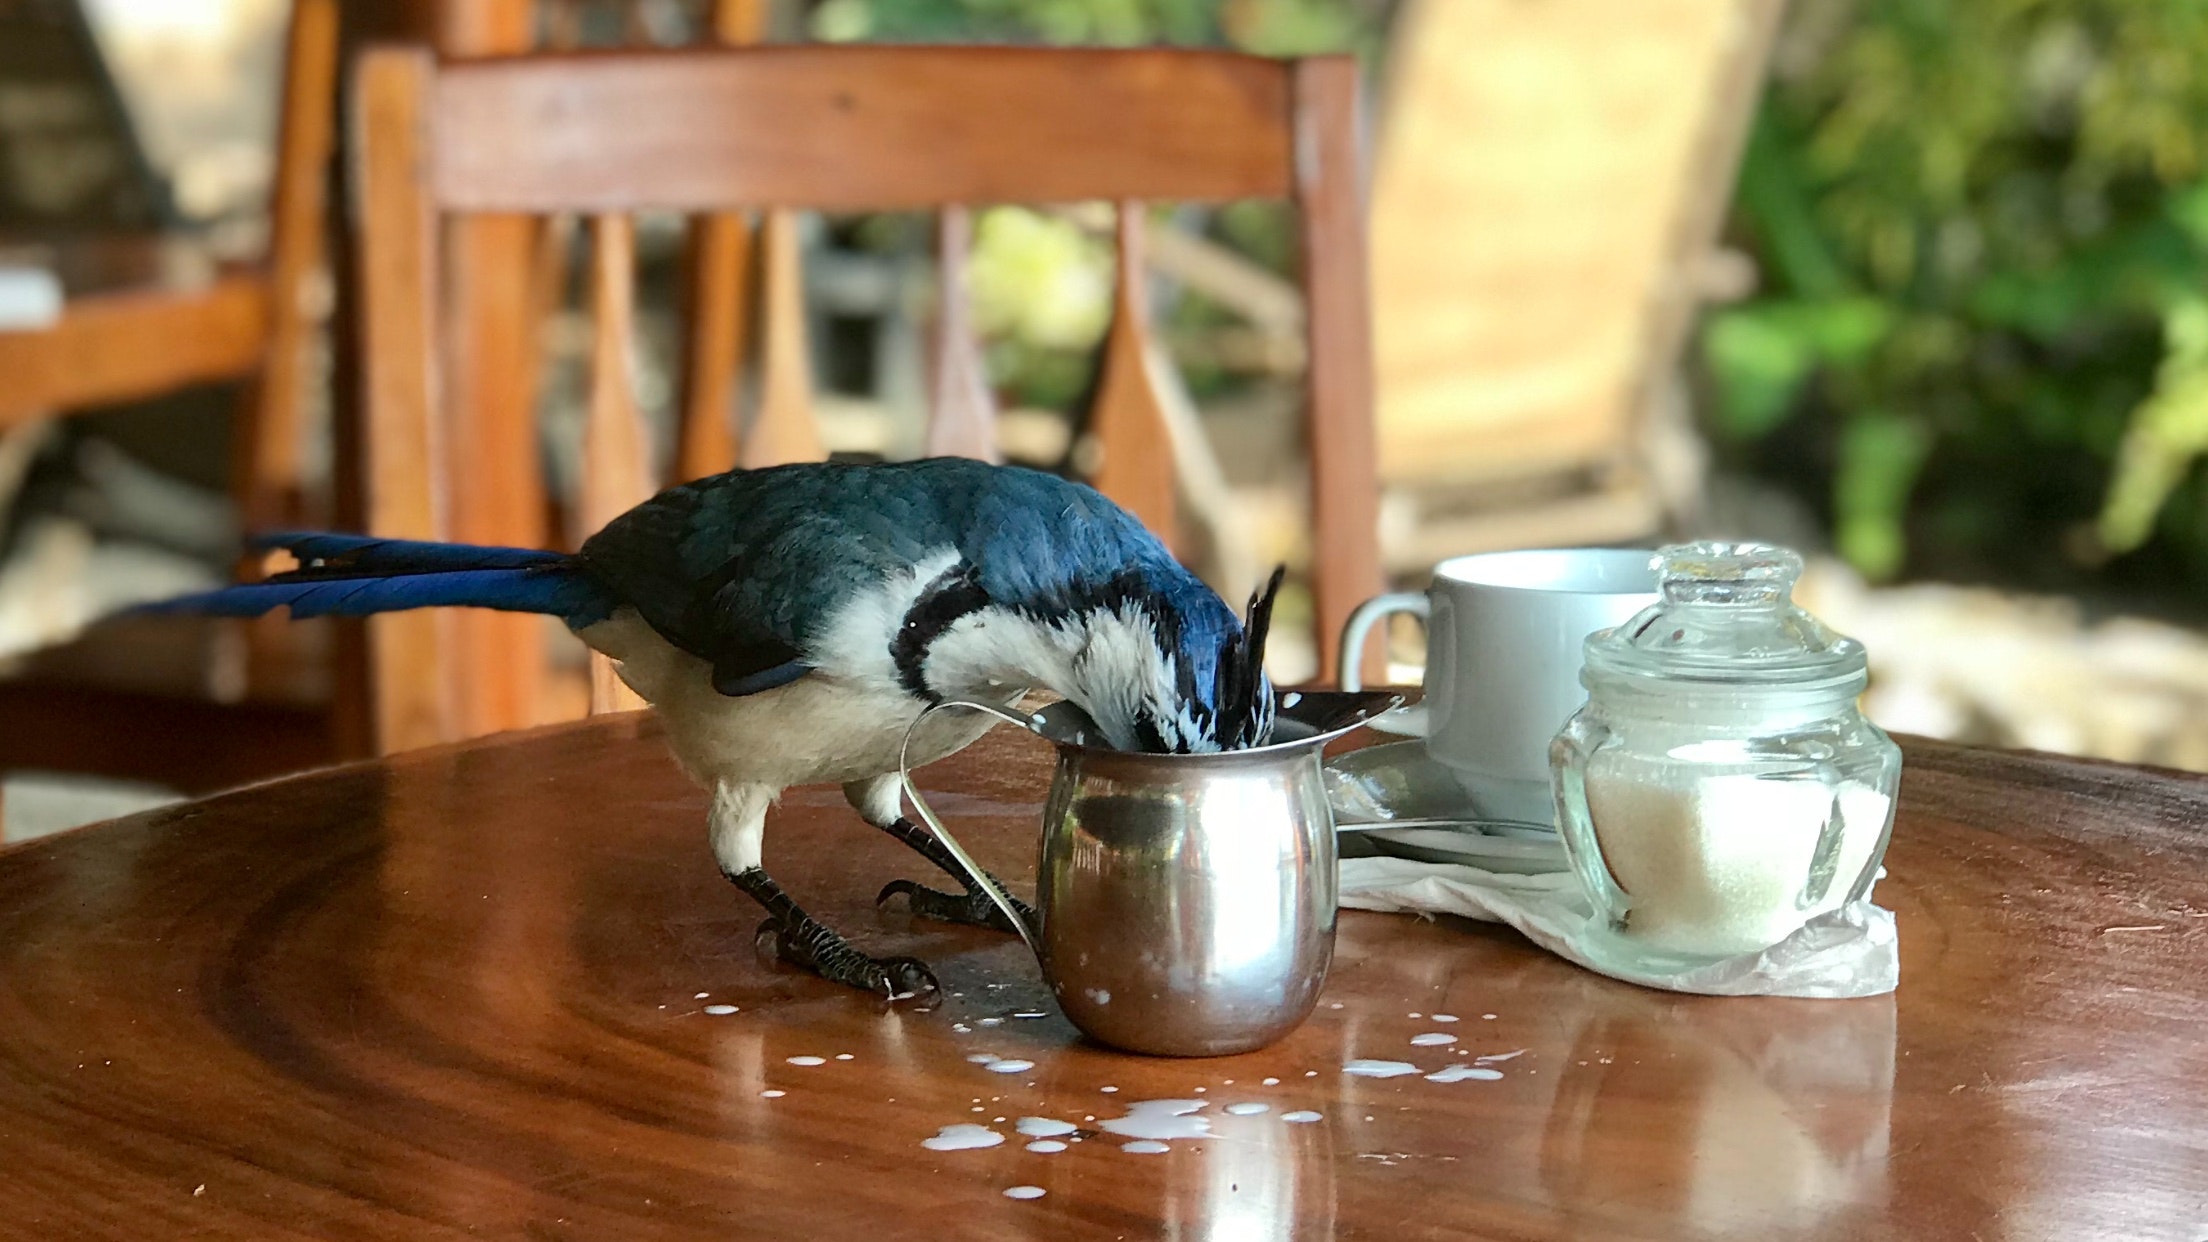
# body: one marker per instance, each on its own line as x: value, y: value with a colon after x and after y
x: 834, y: 128
x: 140, y: 701
x: 1536, y: 272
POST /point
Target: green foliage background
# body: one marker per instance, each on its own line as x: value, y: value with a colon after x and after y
x: 1982, y: 335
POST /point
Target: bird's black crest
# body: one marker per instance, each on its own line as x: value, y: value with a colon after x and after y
x: 1245, y: 704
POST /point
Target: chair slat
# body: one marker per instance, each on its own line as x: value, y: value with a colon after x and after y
x: 719, y: 276
x: 719, y: 280
x: 963, y: 420
x: 616, y: 466
x: 784, y: 431
x: 857, y: 128
x: 1345, y: 489
x: 1127, y: 423
x: 403, y: 443
x: 491, y: 365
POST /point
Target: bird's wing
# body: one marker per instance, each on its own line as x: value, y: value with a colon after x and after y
x: 742, y: 569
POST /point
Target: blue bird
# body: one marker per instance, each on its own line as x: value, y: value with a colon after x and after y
x: 788, y: 624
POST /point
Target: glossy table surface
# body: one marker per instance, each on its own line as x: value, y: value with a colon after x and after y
x: 463, y: 993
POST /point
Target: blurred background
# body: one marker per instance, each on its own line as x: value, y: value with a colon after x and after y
x: 1919, y: 287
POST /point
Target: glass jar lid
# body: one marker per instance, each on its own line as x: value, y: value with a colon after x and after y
x: 1727, y: 617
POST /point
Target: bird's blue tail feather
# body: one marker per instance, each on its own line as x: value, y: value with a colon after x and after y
x: 358, y: 575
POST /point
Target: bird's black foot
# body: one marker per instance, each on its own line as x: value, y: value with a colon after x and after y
x: 974, y: 908
x: 802, y: 940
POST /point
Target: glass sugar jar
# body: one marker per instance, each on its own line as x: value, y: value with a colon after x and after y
x: 1720, y: 788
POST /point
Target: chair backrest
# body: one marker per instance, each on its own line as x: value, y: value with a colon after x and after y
x: 1535, y: 274
x: 606, y: 135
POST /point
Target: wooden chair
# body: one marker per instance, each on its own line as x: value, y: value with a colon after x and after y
x: 606, y: 135
x: 251, y: 326
x: 1536, y: 275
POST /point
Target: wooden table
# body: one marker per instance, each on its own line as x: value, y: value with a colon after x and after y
x: 463, y: 993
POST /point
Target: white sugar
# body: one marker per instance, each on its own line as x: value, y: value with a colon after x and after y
x: 1720, y: 864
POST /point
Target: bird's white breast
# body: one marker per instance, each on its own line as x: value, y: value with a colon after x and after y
x: 842, y: 722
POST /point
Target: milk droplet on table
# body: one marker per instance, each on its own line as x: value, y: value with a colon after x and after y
x: 1460, y: 1073
x: 1161, y: 1119
x: 1145, y: 1147
x: 807, y: 1060
x: 1366, y: 1068
x: 720, y: 1010
x: 1046, y: 1146
x: 1444, y: 1017
x: 1501, y: 1056
x: 1303, y: 1116
x: 1009, y: 1066
x: 962, y: 1137
x: 1023, y: 1192
x: 1248, y: 1109
x: 772, y: 1093
x: 1272, y: 1082
x: 843, y: 1056
x: 701, y: 996
x: 1432, y: 1039
x: 1044, y: 1127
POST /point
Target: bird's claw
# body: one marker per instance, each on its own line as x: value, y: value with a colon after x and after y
x: 974, y: 908
x: 815, y: 948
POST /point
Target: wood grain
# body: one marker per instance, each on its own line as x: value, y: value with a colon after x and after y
x: 857, y: 127
x: 454, y: 994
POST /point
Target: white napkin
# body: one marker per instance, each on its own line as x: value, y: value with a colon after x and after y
x: 1848, y: 952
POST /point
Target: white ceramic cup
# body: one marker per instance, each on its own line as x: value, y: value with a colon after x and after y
x: 1503, y: 642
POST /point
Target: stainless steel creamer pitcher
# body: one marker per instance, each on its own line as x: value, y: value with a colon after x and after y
x: 1187, y: 902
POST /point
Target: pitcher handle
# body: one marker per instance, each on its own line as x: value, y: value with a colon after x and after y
x: 974, y: 873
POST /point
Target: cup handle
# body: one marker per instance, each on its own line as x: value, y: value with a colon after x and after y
x: 1412, y: 719
x: 974, y: 873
